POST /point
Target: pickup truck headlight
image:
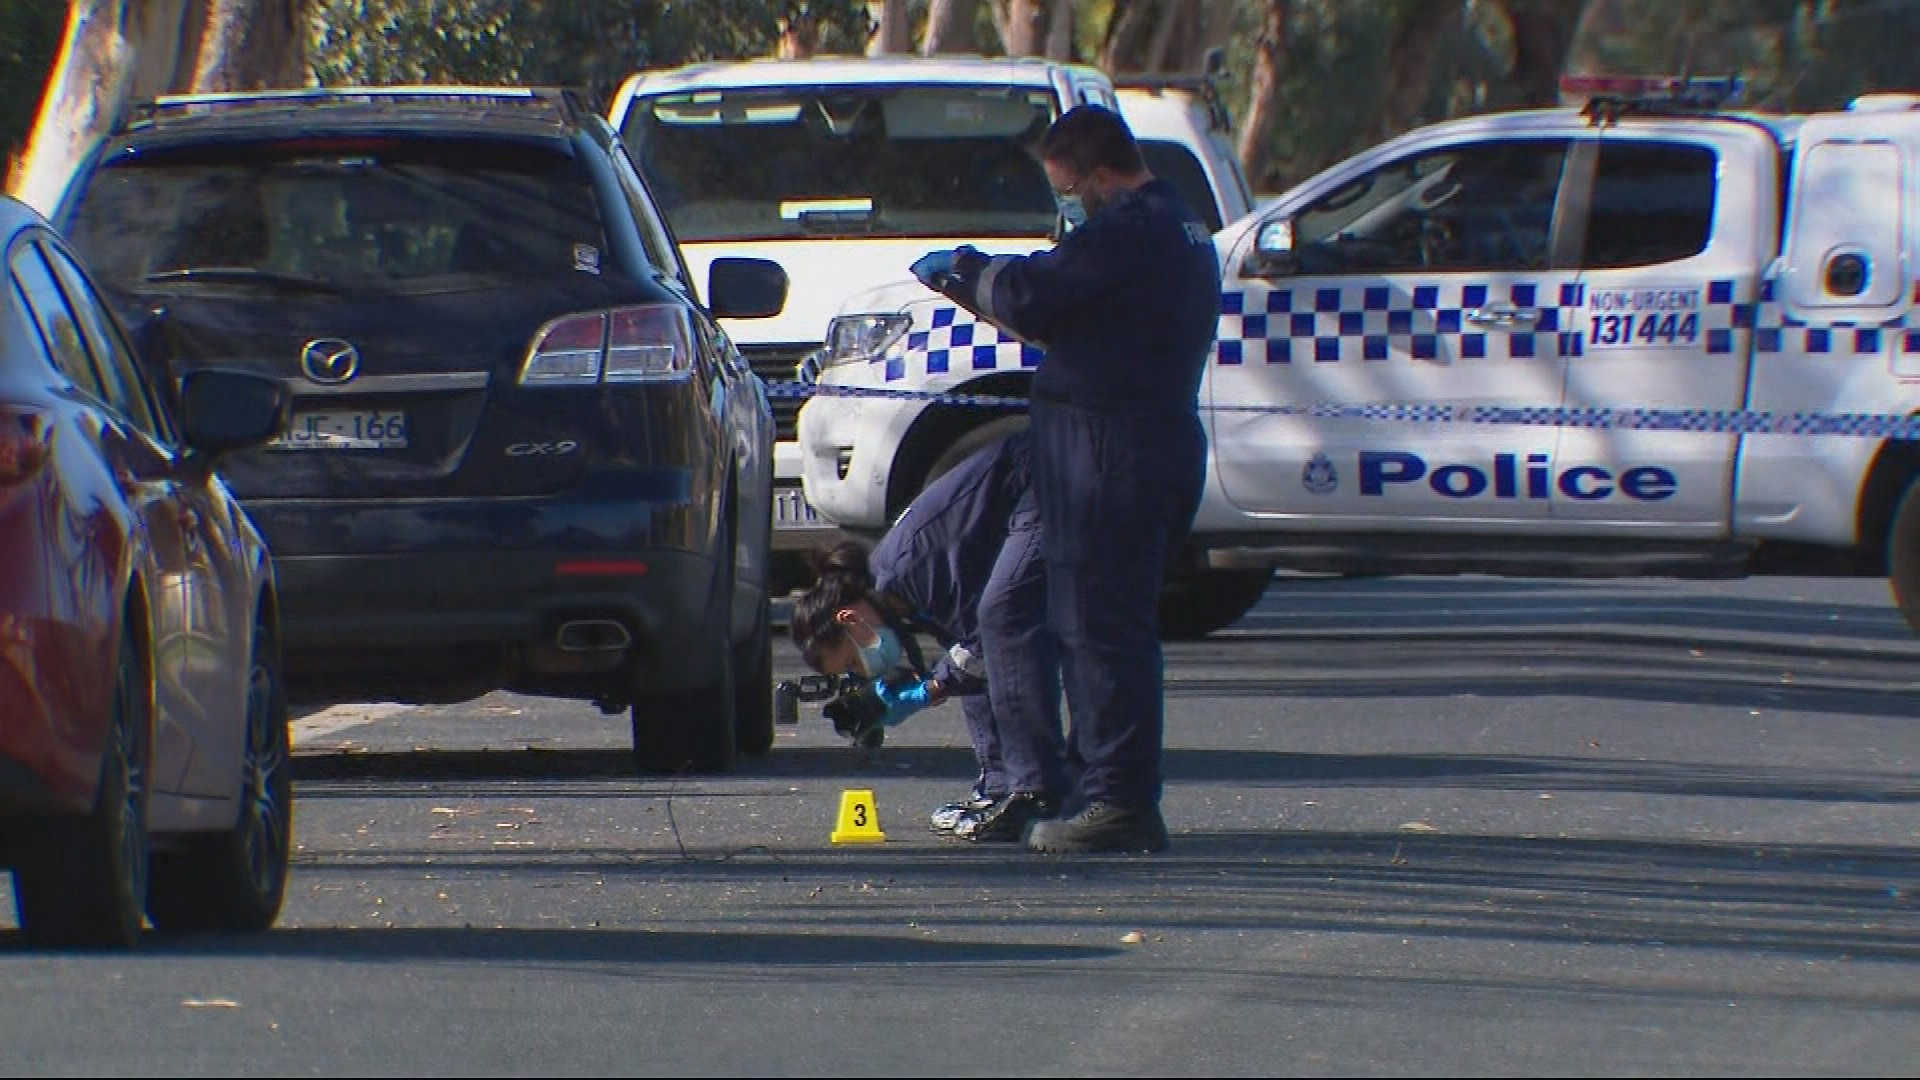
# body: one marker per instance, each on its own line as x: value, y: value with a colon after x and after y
x: 859, y: 338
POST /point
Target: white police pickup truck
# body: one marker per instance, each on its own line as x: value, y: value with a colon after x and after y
x: 867, y: 458
x: 844, y: 171
x: 1646, y: 338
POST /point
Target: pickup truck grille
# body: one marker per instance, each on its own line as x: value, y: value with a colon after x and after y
x: 775, y: 364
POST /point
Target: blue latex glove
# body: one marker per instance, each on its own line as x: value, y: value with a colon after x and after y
x: 934, y: 269
x: 901, y: 701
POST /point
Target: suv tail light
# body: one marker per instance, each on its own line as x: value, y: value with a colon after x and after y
x: 23, y: 445
x: 644, y: 343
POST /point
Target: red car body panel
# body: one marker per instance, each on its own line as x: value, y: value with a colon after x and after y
x: 99, y: 518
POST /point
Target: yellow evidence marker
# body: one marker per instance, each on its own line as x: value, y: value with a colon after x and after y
x: 859, y: 819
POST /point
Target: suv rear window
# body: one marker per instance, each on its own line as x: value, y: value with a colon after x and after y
x: 887, y: 160
x: 351, y: 214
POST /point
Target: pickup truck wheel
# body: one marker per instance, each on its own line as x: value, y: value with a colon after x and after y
x: 81, y: 880
x: 234, y: 881
x: 1196, y: 603
x: 972, y: 440
x: 1903, y: 555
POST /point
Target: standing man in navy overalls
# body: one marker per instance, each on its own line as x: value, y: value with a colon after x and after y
x: 1126, y: 305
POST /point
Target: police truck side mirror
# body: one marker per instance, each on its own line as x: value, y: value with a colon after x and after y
x: 739, y: 288
x: 1273, y: 254
x: 1215, y: 64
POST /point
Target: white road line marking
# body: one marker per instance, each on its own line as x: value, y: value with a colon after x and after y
x: 339, y: 718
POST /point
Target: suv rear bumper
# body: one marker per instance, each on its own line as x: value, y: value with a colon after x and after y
x: 401, y: 601
x: 447, y: 599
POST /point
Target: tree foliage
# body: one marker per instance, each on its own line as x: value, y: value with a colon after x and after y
x: 29, y: 37
x: 1341, y: 73
x: 585, y: 43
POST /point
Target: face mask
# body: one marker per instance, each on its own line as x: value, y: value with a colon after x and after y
x: 885, y: 654
x: 1073, y: 210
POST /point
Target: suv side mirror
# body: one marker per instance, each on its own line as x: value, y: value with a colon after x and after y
x: 746, y: 288
x: 1273, y: 254
x: 224, y: 411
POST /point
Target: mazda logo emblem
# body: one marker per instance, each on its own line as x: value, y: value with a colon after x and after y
x: 330, y: 361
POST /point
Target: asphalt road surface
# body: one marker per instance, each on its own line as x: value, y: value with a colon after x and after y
x: 1420, y: 826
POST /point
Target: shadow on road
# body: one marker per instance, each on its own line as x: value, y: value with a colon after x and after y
x: 602, y: 946
x: 1412, y: 603
x: 611, y: 946
x: 348, y: 775
x: 1811, y: 902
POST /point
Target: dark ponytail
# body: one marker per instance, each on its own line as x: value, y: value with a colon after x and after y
x: 844, y: 580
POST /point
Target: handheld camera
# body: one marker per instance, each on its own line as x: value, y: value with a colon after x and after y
x: 850, y: 704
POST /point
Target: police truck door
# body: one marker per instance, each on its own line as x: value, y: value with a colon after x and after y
x: 1683, y: 219
x: 1422, y: 276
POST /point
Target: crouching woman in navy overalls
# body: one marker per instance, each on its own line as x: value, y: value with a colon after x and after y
x: 963, y: 563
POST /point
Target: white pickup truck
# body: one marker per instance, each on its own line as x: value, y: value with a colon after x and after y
x: 844, y: 171
x: 863, y: 459
x: 1647, y: 338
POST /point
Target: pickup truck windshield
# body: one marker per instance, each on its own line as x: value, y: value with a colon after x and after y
x: 889, y: 161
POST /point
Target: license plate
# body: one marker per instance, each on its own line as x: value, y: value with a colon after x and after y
x: 790, y: 511
x: 367, y: 429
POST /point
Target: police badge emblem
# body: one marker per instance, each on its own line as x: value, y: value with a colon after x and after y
x: 1318, y: 477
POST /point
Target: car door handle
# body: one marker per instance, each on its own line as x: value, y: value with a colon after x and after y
x: 1500, y: 315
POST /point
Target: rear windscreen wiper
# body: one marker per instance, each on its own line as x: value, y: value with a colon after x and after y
x: 244, y: 275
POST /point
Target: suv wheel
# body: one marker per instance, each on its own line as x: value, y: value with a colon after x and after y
x: 82, y: 880
x: 753, y: 687
x: 687, y: 730
x: 693, y: 730
x: 234, y: 881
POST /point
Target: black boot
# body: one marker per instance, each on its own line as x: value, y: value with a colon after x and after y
x: 1104, y: 826
x: 1005, y: 821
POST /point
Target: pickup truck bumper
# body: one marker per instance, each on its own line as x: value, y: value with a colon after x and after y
x: 848, y: 450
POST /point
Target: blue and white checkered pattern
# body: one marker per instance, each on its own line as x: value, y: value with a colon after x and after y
x: 1774, y: 331
x: 1372, y: 322
x: 955, y: 343
x: 1626, y: 418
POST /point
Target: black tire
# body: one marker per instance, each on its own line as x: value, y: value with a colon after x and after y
x: 1903, y: 555
x: 753, y: 724
x: 973, y: 439
x: 692, y: 730
x: 235, y: 881
x: 687, y: 730
x: 1196, y: 603
x: 81, y: 880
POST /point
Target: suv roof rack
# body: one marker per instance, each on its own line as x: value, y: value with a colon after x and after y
x: 558, y: 105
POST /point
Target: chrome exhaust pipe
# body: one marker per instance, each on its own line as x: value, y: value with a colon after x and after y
x: 592, y: 635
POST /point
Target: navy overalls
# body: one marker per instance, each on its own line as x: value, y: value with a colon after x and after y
x: 966, y: 555
x: 1127, y: 306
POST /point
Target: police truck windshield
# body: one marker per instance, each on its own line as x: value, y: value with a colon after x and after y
x: 883, y: 161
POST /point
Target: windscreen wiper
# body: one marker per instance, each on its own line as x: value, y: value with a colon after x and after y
x: 245, y: 275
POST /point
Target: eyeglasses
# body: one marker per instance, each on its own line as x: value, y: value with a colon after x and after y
x: 1077, y: 185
